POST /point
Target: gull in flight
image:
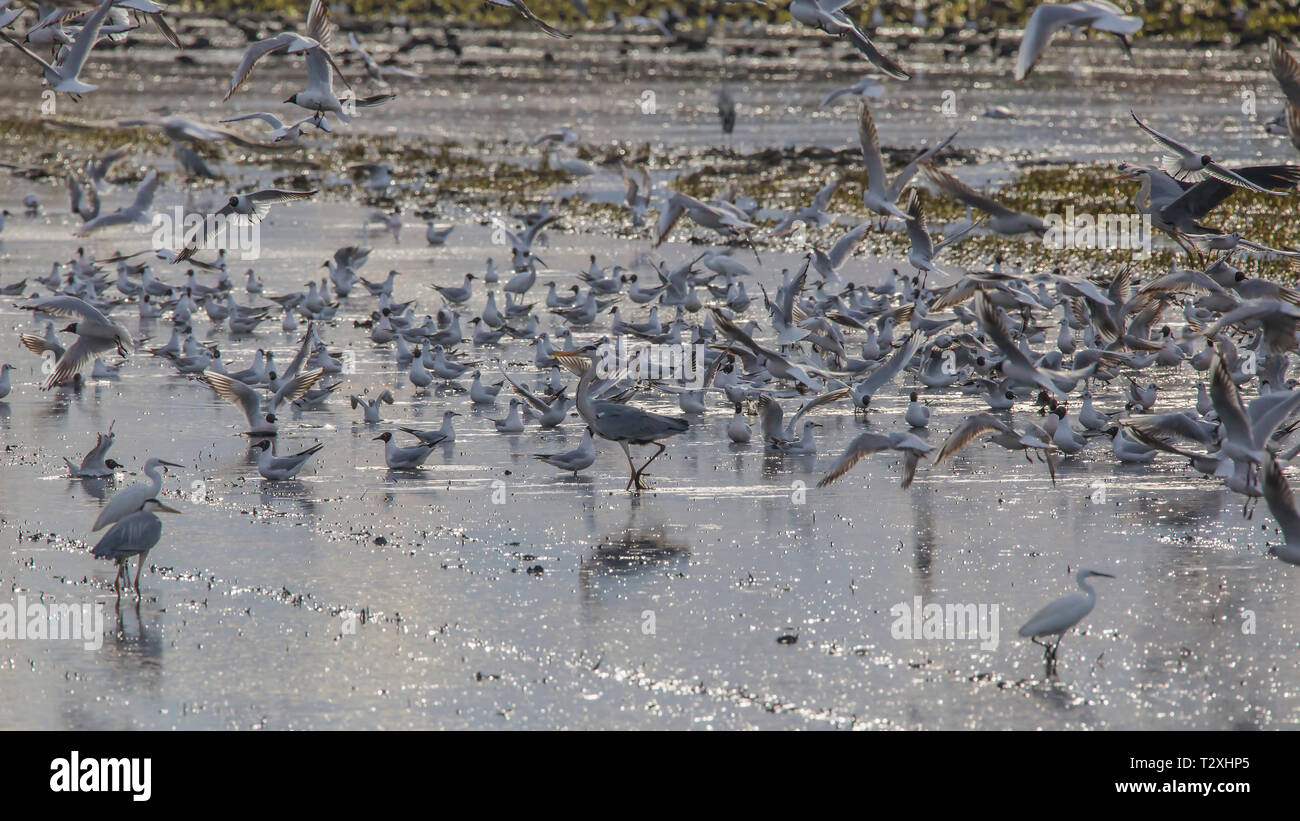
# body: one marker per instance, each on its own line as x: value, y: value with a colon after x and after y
x: 911, y: 446
x: 1287, y: 73
x: 868, y: 86
x: 278, y: 131
x: 95, y: 333
x: 261, y: 420
x: 724, y: 218
x: 137, y: 211
x: 828, y: 16
x: 319, y: 94
x: 527, y: 14
x: 881, y: 194
x: 372, y: 66
x: 63, y: 76
x: 1182, y: 163
x: 1002, y: 219
x: 1050, y: 18
x: 252, y: 207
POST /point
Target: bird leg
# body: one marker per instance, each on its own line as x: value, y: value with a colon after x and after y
x: 662, y: 448
x: 139, y: 565
x: 628, y: 454
x: 117, y: 580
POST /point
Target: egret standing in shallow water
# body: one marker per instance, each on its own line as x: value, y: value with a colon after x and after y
x: 616, y: 422
x: 134, y: 535
x: 129, y: 499
x: 1059, y: 616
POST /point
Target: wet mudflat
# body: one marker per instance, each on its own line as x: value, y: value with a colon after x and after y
x: 491, y: 591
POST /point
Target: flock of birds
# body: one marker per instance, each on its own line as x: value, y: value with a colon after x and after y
x: 819, y: 339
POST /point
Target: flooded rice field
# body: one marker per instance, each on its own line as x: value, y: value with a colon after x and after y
x: 491, y: 591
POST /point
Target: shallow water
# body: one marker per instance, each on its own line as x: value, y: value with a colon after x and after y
x: 359, y: 598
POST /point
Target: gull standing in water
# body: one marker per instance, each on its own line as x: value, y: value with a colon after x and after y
x: 282, y: 467
x: 622, y: 424
x: 1059, y: 616
x: 580, y: 458
x: 134, y: 535
x: 409, y: 458
x: 131, y: 498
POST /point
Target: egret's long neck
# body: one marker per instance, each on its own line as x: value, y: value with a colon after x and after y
x: 1087, y: 588
x: 155, y: 476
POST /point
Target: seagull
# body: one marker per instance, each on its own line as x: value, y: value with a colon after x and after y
x: 371, y: 412
x: 282, y: 467
x: 95, y: 333
x: 868, y: 86
x: 260, y: 414
x: 512, y: 423
x: 278, y: 130
x: 580, y: 458
x: 137, y: 212
x: 828, y: 16
x: 319, y: 94
x: 1059, y: 616
x: 94, y: 465
x: 63, y: 77
x: 1182, y: 163
x: 1281, y: 503
x: 84, y: 204
x: 911, y: 446
x: 133, y: 535
x: 923, y: 250
x: 408, y: 458
x: 726, y: 219
x: 527, y: 14
x: 881, y: 195
x: 251, y: 208
x: 374, y: 69
x: 1050, y: 18
x: 1001, y: 219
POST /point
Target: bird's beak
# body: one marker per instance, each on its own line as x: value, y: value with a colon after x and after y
x: 169, y: 464
x: 454, y: 413
x: 376, y: 439
x: 165, y: 509
x: 1103, y: 575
